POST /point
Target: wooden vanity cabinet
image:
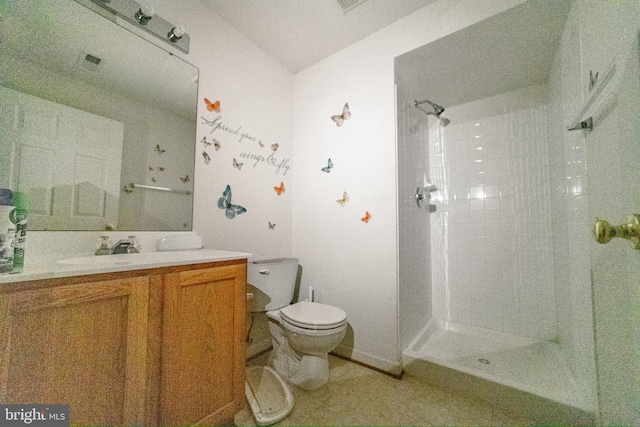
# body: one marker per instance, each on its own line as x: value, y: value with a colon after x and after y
x: 203, y: 346
x: 154, y: 347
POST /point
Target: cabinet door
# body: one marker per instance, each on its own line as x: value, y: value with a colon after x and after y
x: 203, y: 345
x: 84, y: 345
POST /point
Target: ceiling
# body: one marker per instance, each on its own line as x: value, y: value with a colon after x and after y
x: 300, y: 33
x: 509, y: 51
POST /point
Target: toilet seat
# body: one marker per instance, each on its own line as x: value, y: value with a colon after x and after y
x: 312, y: 332
x: 313, y: 316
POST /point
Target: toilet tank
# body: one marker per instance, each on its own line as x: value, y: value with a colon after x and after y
x: 272, y: 283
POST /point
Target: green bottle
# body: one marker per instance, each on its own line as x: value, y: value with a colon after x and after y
x: 7, y: 230
x: 19, y: 218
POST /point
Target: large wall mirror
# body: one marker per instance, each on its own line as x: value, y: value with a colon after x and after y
x: 97, y: 124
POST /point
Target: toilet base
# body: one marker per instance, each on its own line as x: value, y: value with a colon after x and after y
x: 302, y: 358
x: 309, y: 372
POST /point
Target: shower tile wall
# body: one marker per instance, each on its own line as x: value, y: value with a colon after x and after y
x: 414, y: 241
x: 492, y: 254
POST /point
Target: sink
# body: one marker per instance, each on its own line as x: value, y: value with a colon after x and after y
x: 141, y: 258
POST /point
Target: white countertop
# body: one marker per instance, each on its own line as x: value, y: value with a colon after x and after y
x: 51, y: 266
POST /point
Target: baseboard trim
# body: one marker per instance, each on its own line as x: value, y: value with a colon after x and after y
x: 398, y: 376
x: 366, y: 365
x: 392, y: 368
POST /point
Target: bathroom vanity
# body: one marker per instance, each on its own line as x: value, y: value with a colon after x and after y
x: 155, y: 342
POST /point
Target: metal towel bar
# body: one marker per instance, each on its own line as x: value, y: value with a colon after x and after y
x: 152, y: 187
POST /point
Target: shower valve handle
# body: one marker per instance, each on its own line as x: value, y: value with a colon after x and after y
x: 424, y: 193
x: 630, y: 230
x: 421, y: 196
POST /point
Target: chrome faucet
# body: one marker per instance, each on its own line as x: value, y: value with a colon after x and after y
x: 125, y: 246
x: 130, y: 245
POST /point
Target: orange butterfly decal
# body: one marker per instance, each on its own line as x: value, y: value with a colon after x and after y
x: 366, y: 218
x: 280, y: 189
x: 212, y: 106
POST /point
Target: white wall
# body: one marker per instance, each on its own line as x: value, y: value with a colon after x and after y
x: 256, y: 96
x: 351, y: 264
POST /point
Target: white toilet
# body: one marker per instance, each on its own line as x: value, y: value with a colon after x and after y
x: 302, y: 333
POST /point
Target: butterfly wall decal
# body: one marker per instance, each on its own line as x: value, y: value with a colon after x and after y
x: 151, y: 169
x: 159, y: 150
x: 231, y: 210
x: 212, y: 106
x: 205, y: 142
x: 274, y: 147
x: 329, y: 167
x: 346, y: 115
x: 343, y: 201
x: 367, y: 217
x: 271, y: 226
x: 237, y: 165
x: 206, y: 157
x: 127, y: 190
x: 216, y: 144
x: 161, y: 168
x: 153, y: 179
x: 260, y: 143
x: 185, y: 179
x: 280, y: 189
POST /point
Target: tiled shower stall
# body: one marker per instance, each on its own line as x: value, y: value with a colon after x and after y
x: 491, y: 236
x: 500, y: 252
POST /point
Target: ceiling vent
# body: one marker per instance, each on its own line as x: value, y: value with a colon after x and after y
x: 349, y: 5
x: 90, y: 62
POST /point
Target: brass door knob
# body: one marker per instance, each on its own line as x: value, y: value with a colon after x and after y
x: 630, y: 230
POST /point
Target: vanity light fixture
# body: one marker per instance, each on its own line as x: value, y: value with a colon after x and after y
x: 142, y: 15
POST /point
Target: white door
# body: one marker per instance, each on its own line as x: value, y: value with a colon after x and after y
x: 66, y: 160
x: 610, y: 32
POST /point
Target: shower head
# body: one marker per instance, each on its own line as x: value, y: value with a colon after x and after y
x: 437, y: 109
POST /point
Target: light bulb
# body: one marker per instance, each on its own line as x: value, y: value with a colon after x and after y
x: 176, y: 34
x: 145, y: 13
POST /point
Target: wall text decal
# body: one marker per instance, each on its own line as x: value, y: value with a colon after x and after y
x: 269, y: 160
x: 217, y: 124
x: 281, y: 165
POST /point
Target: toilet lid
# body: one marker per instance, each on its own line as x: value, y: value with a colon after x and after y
x: 313, y: 315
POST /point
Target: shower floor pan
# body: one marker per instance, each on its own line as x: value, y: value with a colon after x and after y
x: 511, y: 372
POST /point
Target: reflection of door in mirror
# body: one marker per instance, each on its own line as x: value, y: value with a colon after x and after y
x: 67, y: 161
